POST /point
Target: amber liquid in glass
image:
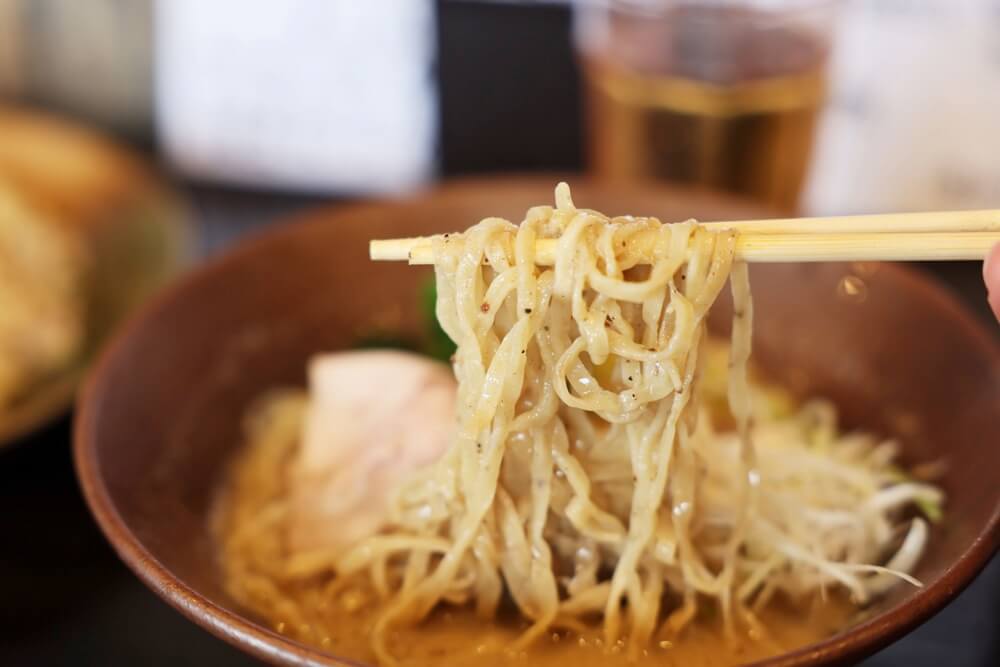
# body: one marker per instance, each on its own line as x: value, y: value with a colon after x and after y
x: 710, y: 97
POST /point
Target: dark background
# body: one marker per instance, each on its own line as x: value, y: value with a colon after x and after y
x: 65, y: 598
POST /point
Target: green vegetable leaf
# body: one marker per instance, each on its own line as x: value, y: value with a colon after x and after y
x: 931, y: 509
x: 438, y: 345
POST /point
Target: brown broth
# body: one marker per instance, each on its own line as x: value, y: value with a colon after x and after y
x: 457, y: 638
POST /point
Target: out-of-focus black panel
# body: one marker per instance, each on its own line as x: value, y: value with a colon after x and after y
x: 509, y: 89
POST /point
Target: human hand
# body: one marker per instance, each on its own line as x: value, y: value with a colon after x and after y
x: 991, y: 275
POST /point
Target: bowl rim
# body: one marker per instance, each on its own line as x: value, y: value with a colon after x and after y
x: 261, y: 642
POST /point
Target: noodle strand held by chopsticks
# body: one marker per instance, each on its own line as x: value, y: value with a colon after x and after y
x: 586, y: 478
x: 530, y: 340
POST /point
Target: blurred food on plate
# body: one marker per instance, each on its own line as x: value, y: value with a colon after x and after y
x: 88, y: 230
x: 42, y: 268
x: 71, y: 171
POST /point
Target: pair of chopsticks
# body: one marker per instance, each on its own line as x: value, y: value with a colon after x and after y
x: 942, y: 235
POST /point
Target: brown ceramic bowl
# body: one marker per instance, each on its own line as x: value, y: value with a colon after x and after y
x: 160, y: 417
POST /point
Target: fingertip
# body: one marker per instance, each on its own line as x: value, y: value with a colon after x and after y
x: 991, y: 270
x: 994, y: 300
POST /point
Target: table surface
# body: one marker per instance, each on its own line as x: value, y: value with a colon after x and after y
x: 66, y: 599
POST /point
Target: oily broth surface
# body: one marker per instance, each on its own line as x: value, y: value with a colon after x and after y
x: 457, y: 638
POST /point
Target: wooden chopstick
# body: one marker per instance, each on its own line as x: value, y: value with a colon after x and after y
x: 857, y: 247
x: 987, y: 220
x: 945, y: 235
